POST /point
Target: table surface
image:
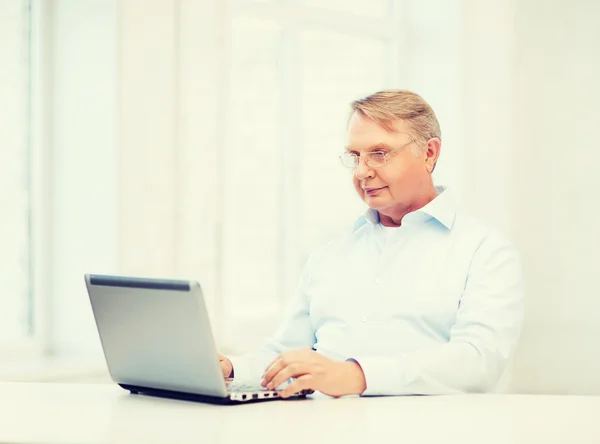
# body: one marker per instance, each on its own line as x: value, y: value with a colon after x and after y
x: 101, y: 413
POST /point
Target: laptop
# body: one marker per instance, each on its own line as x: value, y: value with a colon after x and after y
x: 157, y: 340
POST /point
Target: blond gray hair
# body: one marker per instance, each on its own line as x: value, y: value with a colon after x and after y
x: 385, y: 107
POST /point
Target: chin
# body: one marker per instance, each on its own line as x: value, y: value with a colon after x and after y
x: 376, y: 204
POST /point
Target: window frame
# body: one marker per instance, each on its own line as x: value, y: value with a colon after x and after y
x: 35, y: 345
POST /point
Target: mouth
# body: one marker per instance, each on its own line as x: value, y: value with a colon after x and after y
x: 373, y: 191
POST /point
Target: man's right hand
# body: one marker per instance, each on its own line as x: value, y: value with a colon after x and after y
x: 226, y: 366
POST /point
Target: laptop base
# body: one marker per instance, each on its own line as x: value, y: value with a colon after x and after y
x: 162, y: 393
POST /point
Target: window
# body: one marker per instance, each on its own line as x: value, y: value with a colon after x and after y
x: 370, y: 9
x: 252, y: 94
x: 253, y: 166
x: 294, y: 69
x: 16, y: 308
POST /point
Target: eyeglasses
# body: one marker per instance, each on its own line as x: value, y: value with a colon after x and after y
x: 373, y: 159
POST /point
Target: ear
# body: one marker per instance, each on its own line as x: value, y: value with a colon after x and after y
x: 432, y: 153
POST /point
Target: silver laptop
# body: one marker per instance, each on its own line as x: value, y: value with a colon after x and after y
x: 157, y: 340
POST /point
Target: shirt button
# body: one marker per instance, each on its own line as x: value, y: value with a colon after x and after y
x: 378, y: 281
x: 364, y: 320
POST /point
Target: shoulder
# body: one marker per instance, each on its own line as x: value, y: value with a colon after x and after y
x: 490, y: 246
x: 467, y: 224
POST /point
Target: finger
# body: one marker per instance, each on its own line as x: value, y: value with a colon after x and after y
x: 274, y: 368
x: 292, y: 370
x: 304, y: 382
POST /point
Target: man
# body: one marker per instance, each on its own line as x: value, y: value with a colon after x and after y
x: 418, y: 298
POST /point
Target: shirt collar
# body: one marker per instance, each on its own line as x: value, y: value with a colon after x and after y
x: 442, y: 208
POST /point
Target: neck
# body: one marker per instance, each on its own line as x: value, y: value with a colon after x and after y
x: 393, y: 217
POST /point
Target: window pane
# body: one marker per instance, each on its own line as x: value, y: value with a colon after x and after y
x: 252, y: 169
x: 337, y: 69
x: 14, y: 170
x: 370, y: 8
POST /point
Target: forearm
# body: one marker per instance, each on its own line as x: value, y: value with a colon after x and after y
x: 449, y: 368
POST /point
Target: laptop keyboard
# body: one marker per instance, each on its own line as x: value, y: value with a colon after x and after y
x: 242, y: 386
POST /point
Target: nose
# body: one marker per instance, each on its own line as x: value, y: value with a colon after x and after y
x: 363, y: 170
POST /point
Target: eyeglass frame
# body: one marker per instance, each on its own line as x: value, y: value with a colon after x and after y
x: 366, y: 156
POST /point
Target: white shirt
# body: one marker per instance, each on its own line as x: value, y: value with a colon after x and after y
x: 434, y: 306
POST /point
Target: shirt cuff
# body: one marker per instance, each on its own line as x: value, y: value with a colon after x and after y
x: 383, y: 375
x: 242, y: 370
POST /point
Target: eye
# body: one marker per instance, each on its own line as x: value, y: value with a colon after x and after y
x: 378, y: 156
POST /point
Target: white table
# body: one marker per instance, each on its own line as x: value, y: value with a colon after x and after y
x: 100, y: 413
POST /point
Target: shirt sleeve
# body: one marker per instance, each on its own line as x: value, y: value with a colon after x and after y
x: 487, y: 328
x: 295, y: 332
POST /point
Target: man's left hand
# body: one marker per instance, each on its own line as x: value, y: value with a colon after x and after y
x: 314, y: 372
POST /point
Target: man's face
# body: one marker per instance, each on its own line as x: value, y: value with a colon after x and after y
x: 396, y: 187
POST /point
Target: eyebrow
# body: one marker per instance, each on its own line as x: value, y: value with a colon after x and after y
x: 377, y: 147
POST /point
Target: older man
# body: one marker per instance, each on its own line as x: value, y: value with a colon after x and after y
x: 418, y: 298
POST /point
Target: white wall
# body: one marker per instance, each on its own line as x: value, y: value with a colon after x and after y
x: 558, y: 67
